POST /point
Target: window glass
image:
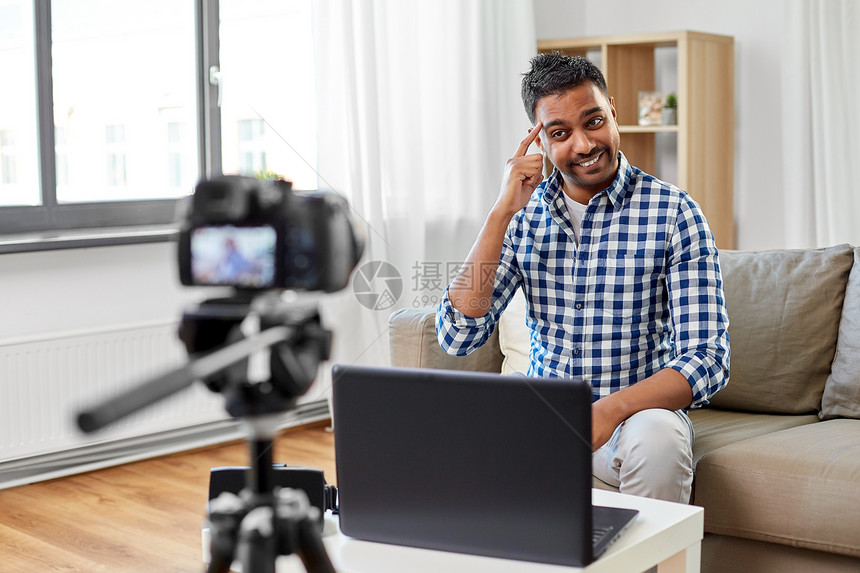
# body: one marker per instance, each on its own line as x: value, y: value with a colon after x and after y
x: 115, y: 155
x: 123, y: 73
x: 268, y: 112
x: 252, y: 146
x: 19, y: 146
x: 176, y: 132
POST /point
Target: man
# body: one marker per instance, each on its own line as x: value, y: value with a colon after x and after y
x: 621, y: 276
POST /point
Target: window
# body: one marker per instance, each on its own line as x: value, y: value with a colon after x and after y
x: 8, y: 165
x: 113, y: 110
x: 174, y: 155
x: 268, y: 111
x: 19, y: 152
x: 115, y: 152
x: 116, y: 66
x: 252, y: 151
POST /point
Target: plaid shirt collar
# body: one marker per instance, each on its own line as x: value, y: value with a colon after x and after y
x: 616, y: 192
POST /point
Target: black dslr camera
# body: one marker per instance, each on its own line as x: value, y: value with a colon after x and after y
x: 254, y: 235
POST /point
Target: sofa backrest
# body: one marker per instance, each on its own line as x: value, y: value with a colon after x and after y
x: 413, y: 344
x: 784, y: 310
x: 841, y: 396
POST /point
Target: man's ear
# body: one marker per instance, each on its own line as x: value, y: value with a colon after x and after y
x: 539, y: 143
x: 612, y: 108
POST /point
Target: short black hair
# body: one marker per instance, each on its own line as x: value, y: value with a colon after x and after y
x: 554, y: 74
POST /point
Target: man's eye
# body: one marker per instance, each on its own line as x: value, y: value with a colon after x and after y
x: 595, y: 121
x: 558, y: 134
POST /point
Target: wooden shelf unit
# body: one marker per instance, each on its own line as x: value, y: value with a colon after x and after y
x: 705, y: 124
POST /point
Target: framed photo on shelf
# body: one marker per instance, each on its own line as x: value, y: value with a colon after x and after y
x: 650, y: 108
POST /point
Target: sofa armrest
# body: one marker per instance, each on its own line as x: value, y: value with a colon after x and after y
x: 414, y: 345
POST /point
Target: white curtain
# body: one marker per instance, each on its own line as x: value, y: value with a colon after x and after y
x: 821, y: 122
x: 419, y: 109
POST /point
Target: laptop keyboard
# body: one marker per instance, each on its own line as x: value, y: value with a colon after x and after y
x: 598, y: 533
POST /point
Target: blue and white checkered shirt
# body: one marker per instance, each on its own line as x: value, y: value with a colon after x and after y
x: 640, y: 293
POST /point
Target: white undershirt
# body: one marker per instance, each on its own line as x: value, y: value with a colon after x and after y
x: 576, y: 210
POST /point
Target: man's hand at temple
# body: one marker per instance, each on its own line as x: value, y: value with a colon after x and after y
x: 471, y: 292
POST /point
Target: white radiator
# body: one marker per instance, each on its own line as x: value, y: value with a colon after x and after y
x: 46, y: 381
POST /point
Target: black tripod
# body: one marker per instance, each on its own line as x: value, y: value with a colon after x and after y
x: 263, y: 521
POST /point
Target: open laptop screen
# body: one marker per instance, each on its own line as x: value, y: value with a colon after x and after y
x: 468, y: 462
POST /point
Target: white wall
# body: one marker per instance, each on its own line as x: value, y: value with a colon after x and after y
x: 756, y: 27
x: 83, y: 289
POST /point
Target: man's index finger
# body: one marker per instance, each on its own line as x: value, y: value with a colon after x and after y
x: 526, y: 143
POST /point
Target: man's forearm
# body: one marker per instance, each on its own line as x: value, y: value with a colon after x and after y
x: 667, y: 389
x: 471, y: 292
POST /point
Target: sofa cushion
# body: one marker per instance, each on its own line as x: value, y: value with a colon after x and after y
x: 796, y: 487
x: 842, y: 391
x: 715, y: 428
x: 721, y: 553
x: 514, y: 337
x: 784, y: 308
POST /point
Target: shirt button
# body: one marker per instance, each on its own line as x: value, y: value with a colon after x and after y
x: 576, y: 351
x: 578, y: 306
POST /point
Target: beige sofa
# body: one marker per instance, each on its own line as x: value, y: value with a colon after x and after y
x: 778, y: 450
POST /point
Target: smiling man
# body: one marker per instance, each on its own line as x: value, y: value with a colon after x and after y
x: 621, y: 278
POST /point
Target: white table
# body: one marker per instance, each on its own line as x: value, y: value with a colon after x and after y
x: 665, y: 534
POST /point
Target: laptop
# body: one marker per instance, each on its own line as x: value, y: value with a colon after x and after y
x: 469, y: 462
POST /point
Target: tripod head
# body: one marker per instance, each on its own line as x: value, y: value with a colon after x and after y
x: 284, y: 372
x: 219, y: 343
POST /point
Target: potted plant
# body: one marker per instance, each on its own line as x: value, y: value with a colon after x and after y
x: 266, y: 175
x: 670, y: 110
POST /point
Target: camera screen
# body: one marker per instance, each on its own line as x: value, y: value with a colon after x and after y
x: 227, y: 255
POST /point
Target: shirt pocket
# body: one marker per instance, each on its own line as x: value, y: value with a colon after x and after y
x: 628, y: 285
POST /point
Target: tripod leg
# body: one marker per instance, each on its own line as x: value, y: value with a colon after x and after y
x: 299, y: 530
x: 257, y: 541
x: 225, y: 514
x: 311, y: 548
x: 218, y: 565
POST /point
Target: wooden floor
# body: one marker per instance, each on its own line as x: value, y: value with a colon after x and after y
x: 140, y: 517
